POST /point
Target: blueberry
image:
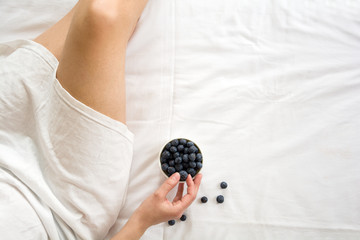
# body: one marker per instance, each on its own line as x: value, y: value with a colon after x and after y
x: 178, y: 167
x: 204, y: 199
x: 166, y: 154
x: 185, y: 165
x: 192, y: 157
x: 164, y: 167
x: 175, y: 142
x: 178, y: 160
x: 171, y: 163
x: 183, y: 217
x: 199, y: 157
x: 183, y: 142
x: 183, y: 175
x: 190, y: 171
x: 193, y: 149
x: 192, y: 164
x: 185, y: 158
x: 220, y: 199
x: 198, y: 165
x: 171, y: 222
x: 173, y: 149
x: 171, y: 170
x: 175, y: 155
x: 186, y: 150
x: 163, y: 160
x: 189, y: 144
x: 223, y: 185
x: 168, y: 146
x: 180, y: 148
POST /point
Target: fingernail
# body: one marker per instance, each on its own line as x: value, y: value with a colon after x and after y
x: 175, y: 176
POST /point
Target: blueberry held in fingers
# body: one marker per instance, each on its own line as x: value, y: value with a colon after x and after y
x: 183, y: 175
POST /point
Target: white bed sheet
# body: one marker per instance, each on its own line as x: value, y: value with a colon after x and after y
x: 270, y: 91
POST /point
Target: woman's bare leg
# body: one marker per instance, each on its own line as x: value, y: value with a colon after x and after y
x: 54, y: 38
x: 92, y: 58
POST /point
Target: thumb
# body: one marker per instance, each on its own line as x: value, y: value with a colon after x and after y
x: 169, y: 184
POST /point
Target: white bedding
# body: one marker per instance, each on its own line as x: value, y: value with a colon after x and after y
x: 269, y: 90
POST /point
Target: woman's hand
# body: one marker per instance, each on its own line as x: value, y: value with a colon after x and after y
x: 157, y: 208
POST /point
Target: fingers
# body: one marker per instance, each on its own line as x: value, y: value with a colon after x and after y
x: 192, y: 190
x: 196, y: 184
x: 169, y: 184
x: 197, y: 181
x: 179, y: 193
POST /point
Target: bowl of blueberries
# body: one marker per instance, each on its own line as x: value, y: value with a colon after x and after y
x: 181, y: 155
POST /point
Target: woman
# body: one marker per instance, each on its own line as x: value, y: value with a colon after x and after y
x: 65, y: 152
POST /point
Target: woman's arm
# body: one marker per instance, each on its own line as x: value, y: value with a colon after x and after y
x: 157, y: 208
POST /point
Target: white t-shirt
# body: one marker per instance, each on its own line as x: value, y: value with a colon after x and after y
x: 64, y: 167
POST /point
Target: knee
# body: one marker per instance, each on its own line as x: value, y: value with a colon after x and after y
x: 100, y: 16
x: 103, y: 18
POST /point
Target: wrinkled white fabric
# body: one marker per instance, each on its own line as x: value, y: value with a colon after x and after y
x: 269, y: 90
x: 64, y: 167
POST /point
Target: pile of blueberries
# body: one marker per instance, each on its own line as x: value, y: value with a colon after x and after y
x: 182, y: 156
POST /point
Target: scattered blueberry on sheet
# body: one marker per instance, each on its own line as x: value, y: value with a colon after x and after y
x: 183, y: 156
x: 171, y: 222
x: 223, y: 185
x: 183, y: 217
x: 204, y: 199
x: 220, y: 199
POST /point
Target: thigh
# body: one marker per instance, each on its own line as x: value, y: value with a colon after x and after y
x: 90, y: 44
x: 92, y: 65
